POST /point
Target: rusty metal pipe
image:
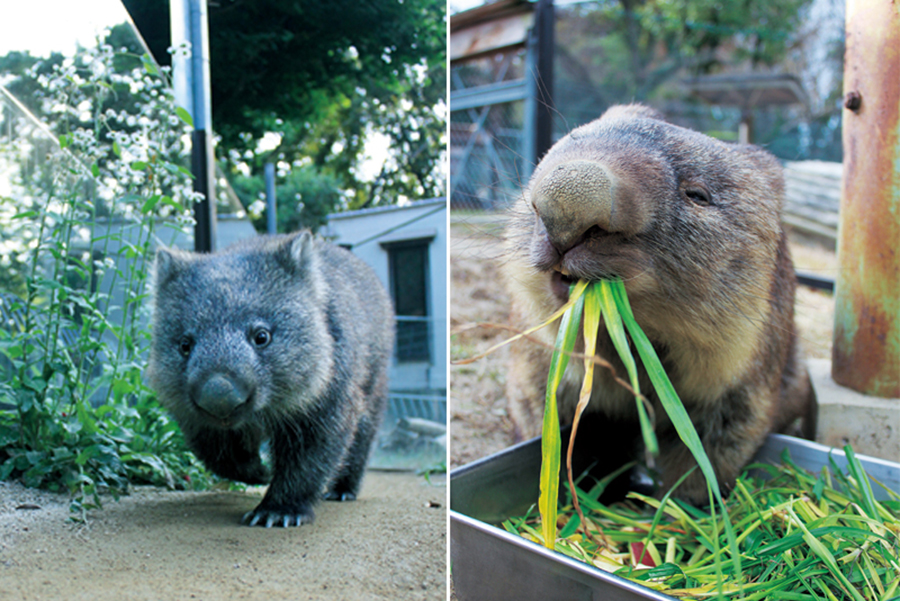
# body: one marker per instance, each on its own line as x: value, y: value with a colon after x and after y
x: 866, y: 352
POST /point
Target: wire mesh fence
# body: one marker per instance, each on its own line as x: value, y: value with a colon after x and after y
x: 413, y: 431
x: 486, y: 133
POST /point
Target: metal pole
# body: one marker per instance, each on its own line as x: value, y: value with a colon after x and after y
x: 544, y: 22
x: 866, y: 353
x: 190, y: 68
x: 530, y: 155
x: 271, y: 206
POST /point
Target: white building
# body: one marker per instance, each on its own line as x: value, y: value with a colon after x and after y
x: 407, y: 248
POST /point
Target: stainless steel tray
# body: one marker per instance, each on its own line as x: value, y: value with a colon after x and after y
x: 488, y: 563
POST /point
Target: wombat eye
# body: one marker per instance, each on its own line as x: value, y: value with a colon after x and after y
x: 261, y: 337
x: 698, y: 195
x: 185, y: 345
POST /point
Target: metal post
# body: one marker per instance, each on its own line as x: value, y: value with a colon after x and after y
x: 866, y: 353
x: 530, y: 156
x: 190, y: 69
x: 271, y: 206
x: 544, y: 22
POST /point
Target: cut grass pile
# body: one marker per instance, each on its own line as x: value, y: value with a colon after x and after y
x: 801, y: 536
x: 782, y: 534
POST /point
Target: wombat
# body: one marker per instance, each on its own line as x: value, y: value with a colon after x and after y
x: 285, y: 339
x: 692, y: 226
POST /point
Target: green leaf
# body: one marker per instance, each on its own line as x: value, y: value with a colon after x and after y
x: 149, y: 65
x: 150, y: 204
x: 34, y: 457
x: 615, y: 327
x: 825, y: 555
x: 168, y: 200
x: 862, y: 481
x: 7, y: 469
x: 138, y: 166
x: 184, y: 115
x: 551, y: 441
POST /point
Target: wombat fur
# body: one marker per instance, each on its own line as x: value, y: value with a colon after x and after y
x: 285, y: 339
x: 692, y: 225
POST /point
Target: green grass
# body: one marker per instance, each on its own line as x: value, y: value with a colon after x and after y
x: 800, y: 536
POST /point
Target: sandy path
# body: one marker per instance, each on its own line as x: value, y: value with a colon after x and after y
x: 390, y: 544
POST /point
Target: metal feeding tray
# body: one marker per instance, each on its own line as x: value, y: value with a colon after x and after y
x: 488, y: 563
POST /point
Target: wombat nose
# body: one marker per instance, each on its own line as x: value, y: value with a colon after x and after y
x: 221, y: 395
x: 574, y: 197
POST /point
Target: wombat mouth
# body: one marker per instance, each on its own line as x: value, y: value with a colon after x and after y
x: 560, y: 283
x: 234, y: 419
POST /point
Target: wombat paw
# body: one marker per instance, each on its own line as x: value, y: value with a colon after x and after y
x: 283, y: 518
x: 339, y: 496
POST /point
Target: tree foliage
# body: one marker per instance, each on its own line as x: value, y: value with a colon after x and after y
x: 616, y: 51
x: 325, y: 77
x: 305, y: 197
x: 630, y: 48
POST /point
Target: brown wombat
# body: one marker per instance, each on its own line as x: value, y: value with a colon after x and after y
x: 692, y: 226
x: 285, y: 339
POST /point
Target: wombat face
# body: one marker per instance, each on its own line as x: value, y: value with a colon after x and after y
x: 225, y: 342
x: 691, y: 225
x: 667, y: 209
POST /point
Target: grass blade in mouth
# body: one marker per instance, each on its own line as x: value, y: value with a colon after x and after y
x: 613, y: 320
x: 591, y: 329
x: 550, y: 435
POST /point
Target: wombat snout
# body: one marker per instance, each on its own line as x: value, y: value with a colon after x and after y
x: 577, y: 198
x: 220, y: 395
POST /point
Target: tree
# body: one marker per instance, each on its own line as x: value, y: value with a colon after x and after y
x: 631, y: 48
x: 325, y: 77
x: 640, y: 50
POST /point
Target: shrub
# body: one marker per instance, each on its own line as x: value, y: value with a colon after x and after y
x: 88, y: 204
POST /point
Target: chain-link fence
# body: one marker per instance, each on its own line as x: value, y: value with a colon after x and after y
x: 413, y: 433
x: 486, y: 131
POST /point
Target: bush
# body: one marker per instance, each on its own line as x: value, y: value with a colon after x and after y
x: 89, y: 203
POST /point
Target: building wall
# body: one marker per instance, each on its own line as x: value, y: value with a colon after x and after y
x: 368, y: 233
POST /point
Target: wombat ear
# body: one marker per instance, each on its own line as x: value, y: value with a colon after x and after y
x: 634, y: 111
x: 166, y: 266
x: 297, y: 254
x: 301, y: 248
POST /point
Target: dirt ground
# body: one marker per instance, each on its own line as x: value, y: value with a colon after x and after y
x: 479, y: 423
x: 390, y: 544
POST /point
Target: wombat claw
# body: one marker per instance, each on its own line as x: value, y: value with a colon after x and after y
x: 267, y: 519
x: 340, y: 496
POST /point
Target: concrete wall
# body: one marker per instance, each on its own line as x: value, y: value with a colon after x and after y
x: 367, y: 232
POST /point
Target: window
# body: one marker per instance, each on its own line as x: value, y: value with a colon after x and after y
x: 408, y: 261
